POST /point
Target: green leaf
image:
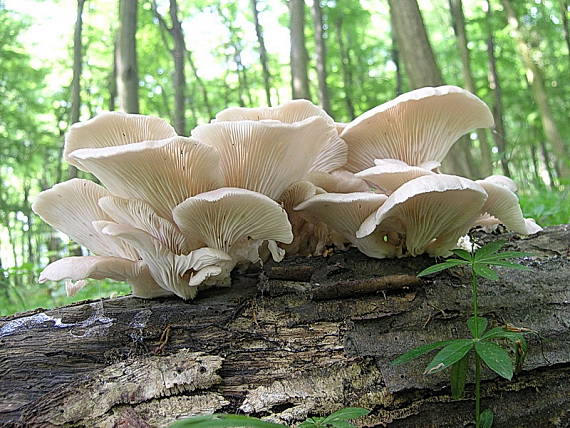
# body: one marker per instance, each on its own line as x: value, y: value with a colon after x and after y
x: 496, y: 358
x: 485, y: 272
x: 341, y: 424
x: 442, y: 266
x: 507, y: 264
x: 458, y: 377
x: 486, y: 418
x: 501, y: 333
x: 311, y: 422
x: 223, y: 420
x: 346, y: 414
x: 419, y: 351
x: 488, y: 249
x: 465, y: 255
x: 481, y: 326
x: 449, y: 355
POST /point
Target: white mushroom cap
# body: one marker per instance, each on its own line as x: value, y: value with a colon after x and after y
x: 429, y: 213
x: 179, y: 274
x: 71, y: 207
x: 338, y: 181
x: 415, y: 127
x: 223, y: 217
x: 109, y: 129
x: 76, y: 269
x: 344, y: 213
x: 503, y: 204
x: 389, y: 174
x: 503, y: 181
x: 266, y: 156
x: 161, y: 173
x: 140, y: 215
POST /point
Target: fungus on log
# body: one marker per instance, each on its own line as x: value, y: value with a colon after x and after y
x: 304, y: 337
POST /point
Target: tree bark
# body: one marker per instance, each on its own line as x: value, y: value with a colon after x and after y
x: 306, y: 337
x: 76, y: 78
x: 499, y: 133
x: 422, y: 70
x: 299, y: 57
x: 536, y: 81
x: 458, y: 23
x: 262, y: 53
x: 127, y: 69
x: 321, y: 51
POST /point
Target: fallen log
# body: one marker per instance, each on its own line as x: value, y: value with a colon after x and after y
x: 303, y: 337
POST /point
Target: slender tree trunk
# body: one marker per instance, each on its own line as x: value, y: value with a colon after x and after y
x: 536, y: 81
x: 76, y: 79
x: 345, y: 68
x: 321, y: 51
x: 499, y: 133
x: 179, y: 54
x: 458, y: 22
x: 396, y: 57
x: 262, y: 53
x: 422, y: 70
x: 113, y: 81
x: 299, y: 57
x: 564, y: 15
x: 127, y: 69
x: 201, y: 85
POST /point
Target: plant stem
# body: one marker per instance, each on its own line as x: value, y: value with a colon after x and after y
x: 474, y: 302
x: 477, y: 390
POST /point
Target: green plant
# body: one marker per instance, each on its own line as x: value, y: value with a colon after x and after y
x: 456, y: 352
x: 338, y: 419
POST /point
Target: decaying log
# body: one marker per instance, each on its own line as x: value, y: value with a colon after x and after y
x: 303, y: 337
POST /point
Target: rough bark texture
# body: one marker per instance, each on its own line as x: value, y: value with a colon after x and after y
x: 422, y: 70
x: 127, y: 69
x: 538, y: 87
x: 307, y: 336
x: 299, y: 57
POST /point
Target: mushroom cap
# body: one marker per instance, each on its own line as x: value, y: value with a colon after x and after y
x: 430, y: 211
x: 503, y: 181
x: 109, y: 129
x: 415, y: 127
x: 222, y: 217
x: 161, y: 173
x: 503, y: 204
x: 172, y: 272
x: 71, y: 207
x: 288, y: 112
x: 266, y: 156
x: 338, y: 181
x: 389, y: 174
x: 344, y: 213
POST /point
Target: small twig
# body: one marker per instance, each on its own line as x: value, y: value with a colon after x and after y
x: 301, y: 273
x: 164, y: 337
x: 362, y: 287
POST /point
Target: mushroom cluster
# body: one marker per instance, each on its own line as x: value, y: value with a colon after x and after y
x: 177, y: 213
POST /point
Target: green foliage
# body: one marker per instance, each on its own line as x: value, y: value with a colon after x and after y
x: 338, y: 419
x: 455, y: 353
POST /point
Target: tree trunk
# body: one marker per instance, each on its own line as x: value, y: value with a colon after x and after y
x: 499, y: 133
x: 262, y: 53
x: 178, y: 55
x: 564, y: 16
x: 201, y: 85
x: 396, y: 57
x: 76, y: 79
x: 422, y: 70
x: 458, y: 23
x: 127, y: 69
x: 346, y: 67
x: 321, y: 50
x: 309, y: 336
x: 299, y: 57
x: 536, y: 81
x: 113, y: 80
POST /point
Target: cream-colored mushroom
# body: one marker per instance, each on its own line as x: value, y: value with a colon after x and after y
x: 339, y: 181
x: 427, y: 214
x: 415, y: 127
x: 233, y: 220
x: 266, y: 156
x: 161, y: 173
x: 109, y: 129
x: 389, y: 174
x: 344, y: 213
x: 503, y: 205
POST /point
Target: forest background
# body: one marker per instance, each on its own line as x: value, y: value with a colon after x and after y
x: 63, y: 61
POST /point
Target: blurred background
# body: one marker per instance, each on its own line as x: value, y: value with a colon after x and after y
x: 63, y: 61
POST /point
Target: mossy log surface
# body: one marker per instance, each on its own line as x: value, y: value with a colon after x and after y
x: 305, y: 337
